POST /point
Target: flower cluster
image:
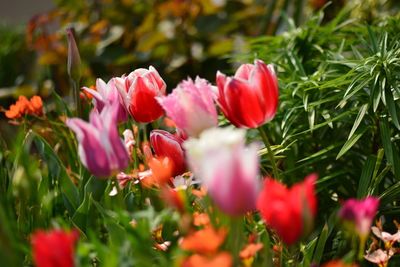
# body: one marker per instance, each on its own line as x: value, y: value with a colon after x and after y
x: 23, y: 107
x: 200, y: 158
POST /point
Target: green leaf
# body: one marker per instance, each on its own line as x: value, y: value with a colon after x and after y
x: 59, y: 172
x: 351, y: 142
x: 366, y: 176
x: 392, y: 107
x: 319, y: 250
x: 360, y: 116
x: 385, y: 137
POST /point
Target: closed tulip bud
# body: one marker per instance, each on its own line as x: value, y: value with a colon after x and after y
x: 101, y: 150
x: 139, y: 91
x: 191, y: 106
x: 167, y: 145
x: 106, y: 94
x: 250, y: 98
x: 289, y: 211
x: 74, y: 59
x: 360, y: 213
x: 54, y: 248
x: 229, y: 169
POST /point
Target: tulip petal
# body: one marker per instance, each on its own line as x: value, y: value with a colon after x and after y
x: 243, y: 72
x: 244, y: 104
x: 90, y: 147
x: 143, y: 106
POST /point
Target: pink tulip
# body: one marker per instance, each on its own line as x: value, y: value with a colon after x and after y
x: 139, y: 91
x: 361, y: 213
x: 229, y: 169
x: 168, y: 145
x: 101, y: 150
x: 191, y: 106
x: 105, y: 94
x: 250, y: 98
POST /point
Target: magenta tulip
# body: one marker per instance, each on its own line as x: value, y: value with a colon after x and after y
x: 250, y: 98
x: 168, y: 145
x: 139, y: 91
x: 360, y: 213
x: 191, y: 106
x: 229, y: 169
x: 100, y: 149
x: 105, y: 94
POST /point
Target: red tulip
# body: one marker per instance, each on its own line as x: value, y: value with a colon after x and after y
x: 54, y: 248
x: 250, y: 98
x: 168, y: 145
x: 289, y: 212
x: 139, y: 91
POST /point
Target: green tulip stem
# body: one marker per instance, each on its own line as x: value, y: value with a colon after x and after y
x: 271, y: 156
x: 77, y: 100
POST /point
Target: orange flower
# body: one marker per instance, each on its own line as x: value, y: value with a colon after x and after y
x: 250, y: 250
x: 13, y: 112
x: 161, y: 170
x: 201, y: 219
x: 36, y: 105
x: 204, y: 241
x: 25, y: 107
x: 222, y: 259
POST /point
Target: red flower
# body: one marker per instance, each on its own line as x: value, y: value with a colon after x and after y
x: 250, y: 98
x: 289, y: 212
x: 139, y: 90
x: 54, y: 248
x: 168, y: 145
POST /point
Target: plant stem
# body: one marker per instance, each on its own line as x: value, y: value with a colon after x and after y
x: 77, y: 100
x: 271, y: 156
x: 236, y: 237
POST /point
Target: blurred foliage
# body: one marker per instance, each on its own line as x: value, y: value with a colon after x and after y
x: 180, y: 38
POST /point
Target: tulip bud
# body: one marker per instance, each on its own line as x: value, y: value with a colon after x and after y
x: 74, y: 69
x: 229, y: 169
x: 250, y: 98
x: 54, y: 248
x: 101, y: 150
x: 106, y: 94
x: 139, y: 90
x: 191, y: 106
x: 74, y: 60
x: 168, y: 145
x: 360, y: 213
x: 283, y: 208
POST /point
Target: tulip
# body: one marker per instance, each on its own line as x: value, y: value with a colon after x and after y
x: 191, y: 106
x: 250, y: 98
x: 74, y: 68
x: 360, y: 213
x: 167, y: 145
x: 139, y: 91
x: 288, y: 211
x: 74, y: 59
x: 101, y: 150
x: 54, y: 248
x: 229, y: 169
x: 105, y: 94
